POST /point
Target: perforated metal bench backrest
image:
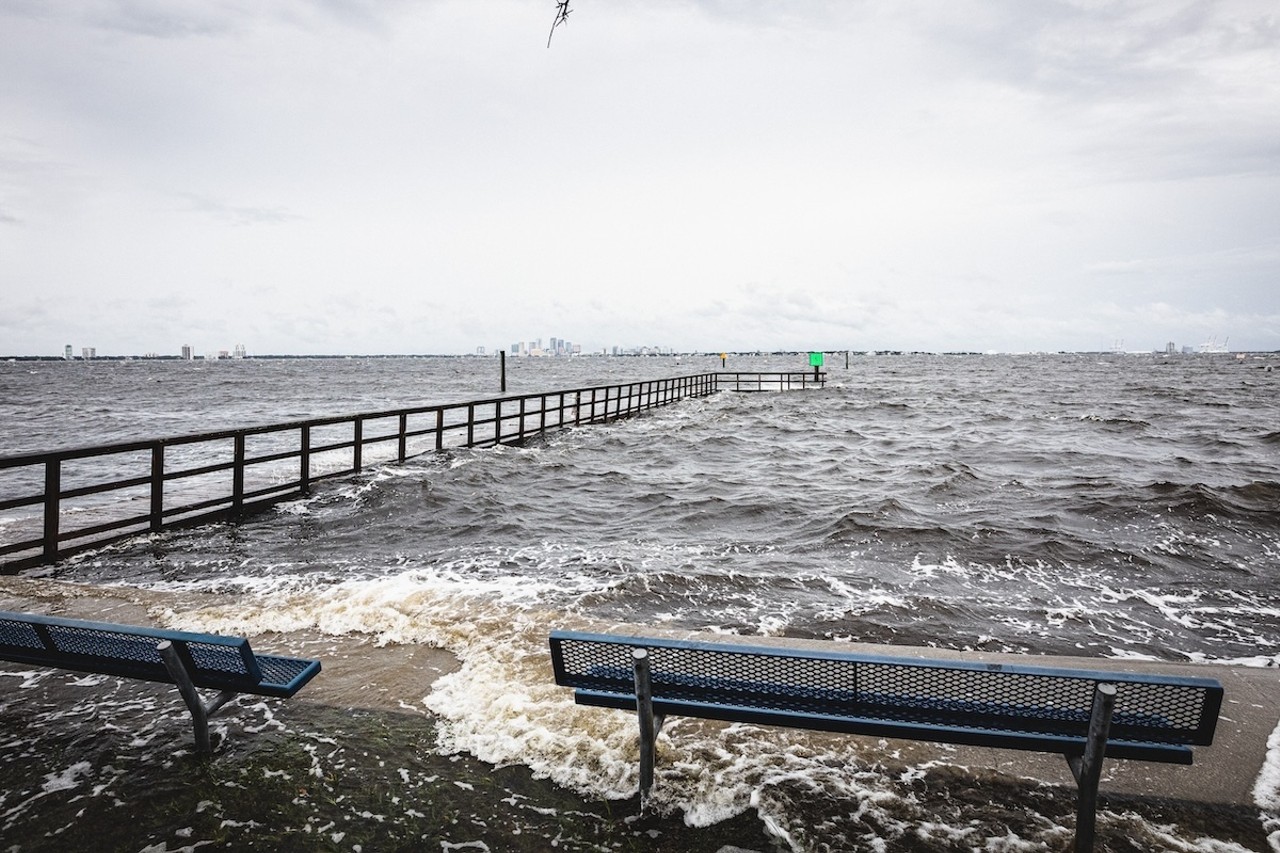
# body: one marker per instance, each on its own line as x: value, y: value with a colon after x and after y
x: 1004, y: 698
x: 224, y: 663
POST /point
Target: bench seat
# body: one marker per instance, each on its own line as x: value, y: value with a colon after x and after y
x: 1084, y: 715
x: 188, y: 660
x: 958, y: 720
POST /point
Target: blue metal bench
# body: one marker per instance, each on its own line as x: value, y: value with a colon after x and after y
x: 187, y: 660
x: 1082, y: 714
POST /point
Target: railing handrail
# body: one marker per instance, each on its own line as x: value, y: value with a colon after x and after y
x: 133, y: 445
x: 483, y: 424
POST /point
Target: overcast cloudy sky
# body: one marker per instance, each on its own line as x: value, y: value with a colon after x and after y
x: 378, y: 176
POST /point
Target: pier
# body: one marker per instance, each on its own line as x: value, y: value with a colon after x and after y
x: 72, y: 500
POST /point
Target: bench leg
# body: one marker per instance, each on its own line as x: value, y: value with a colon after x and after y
x: 1088, y: 768
x: 648, y: 732
x: 200, y: 712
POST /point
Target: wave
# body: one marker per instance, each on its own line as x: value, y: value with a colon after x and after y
x: 1255, y: 501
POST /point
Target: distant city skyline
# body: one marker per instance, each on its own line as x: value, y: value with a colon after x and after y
x: 528, y: 349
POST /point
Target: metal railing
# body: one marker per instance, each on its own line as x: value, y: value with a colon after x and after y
x: 72, y: 500
x: 783, y: 381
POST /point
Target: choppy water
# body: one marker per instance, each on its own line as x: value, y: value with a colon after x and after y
x: 1117, y: 506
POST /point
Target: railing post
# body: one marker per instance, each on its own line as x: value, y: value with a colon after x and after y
x: 52, y: 506
x: 520, y: 429
x: 577, y: 408
x: 237, y: 477
x: 542, y: 412
x: 439, y: 429
x: 357, y: 445
x: 471, y: 424
x: 157, y: 487
x: 497, y: 422
x: 304, y: 460
x: 404, y: 438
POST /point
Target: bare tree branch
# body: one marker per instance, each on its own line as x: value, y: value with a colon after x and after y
x: 562, y: 17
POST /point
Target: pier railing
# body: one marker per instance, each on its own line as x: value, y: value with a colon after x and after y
x: 55, y: 504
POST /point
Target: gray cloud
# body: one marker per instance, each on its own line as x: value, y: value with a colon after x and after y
x: 354, y: 176
x: 237, y: 214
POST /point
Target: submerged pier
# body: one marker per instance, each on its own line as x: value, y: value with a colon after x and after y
x: 129, y: 488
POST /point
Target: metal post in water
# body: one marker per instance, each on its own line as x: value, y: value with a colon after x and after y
x: 644, y: 710
x: 1089, y: 769
x: 816, y: 360
x: 177, y: 671
x: 200, y: 712
x: 502, y: 354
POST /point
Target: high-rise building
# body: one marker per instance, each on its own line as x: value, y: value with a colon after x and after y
x: 68, y: 354
x: 187, y: 354
x: 88, y: 352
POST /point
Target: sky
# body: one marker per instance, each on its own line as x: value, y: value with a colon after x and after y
x: 429, y: 176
